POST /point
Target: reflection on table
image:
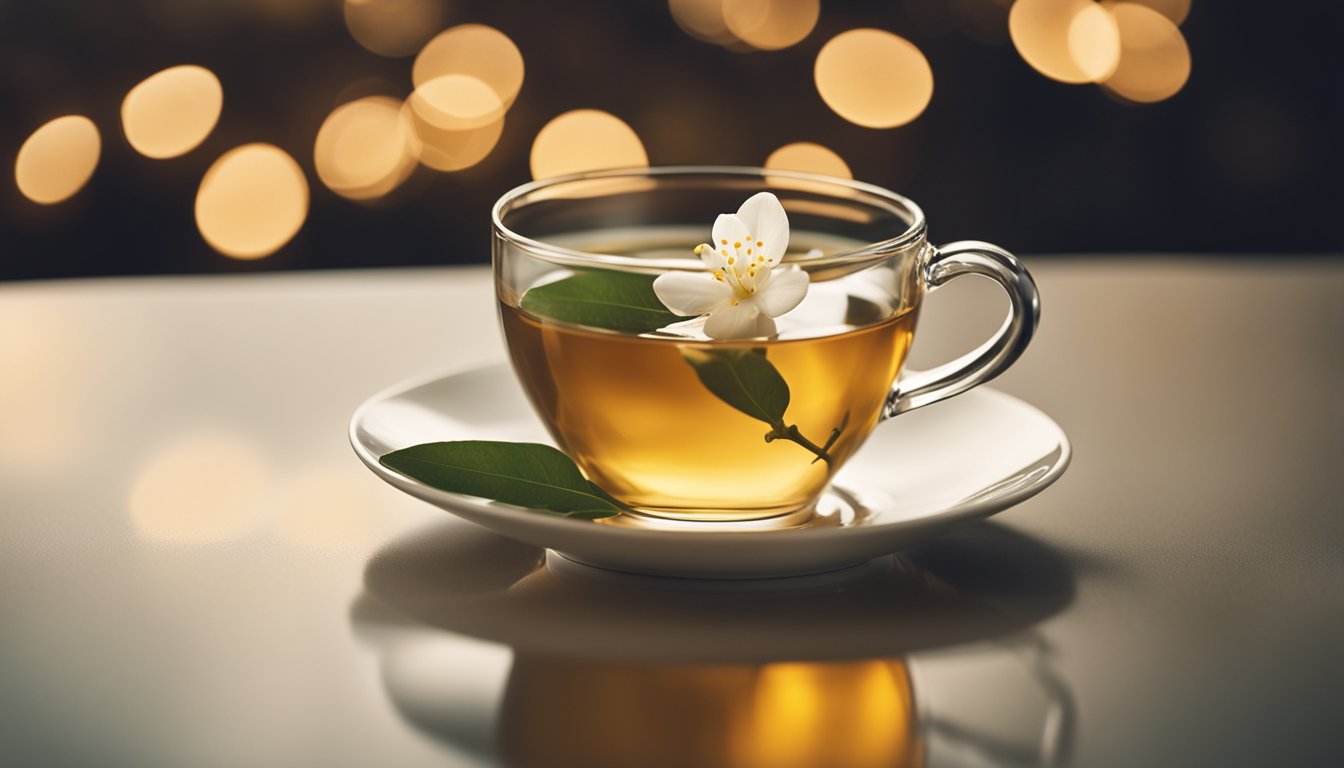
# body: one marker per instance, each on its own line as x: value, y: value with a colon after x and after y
x: 928, y: 659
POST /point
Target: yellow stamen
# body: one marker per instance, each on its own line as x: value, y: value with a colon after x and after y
x: 724, y: 251
x: 697, y: 249
x: 725, y: 242
x: 734, y: 302
x: 737, y: 245
x: 732, y: 260
x: 759, y: 244
x: 748, y: 251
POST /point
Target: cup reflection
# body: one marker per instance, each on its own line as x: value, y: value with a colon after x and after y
x: 847, y: 714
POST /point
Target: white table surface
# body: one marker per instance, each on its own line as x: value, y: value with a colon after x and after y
x: 185, y: 536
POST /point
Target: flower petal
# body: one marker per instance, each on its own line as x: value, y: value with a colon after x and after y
x: 711, y: 258
x: 730, y: 234
x: 767, y: 223
x: 733, y: 322
x: 691, y: 293
x: 765, y: 326
x: 782, y: 292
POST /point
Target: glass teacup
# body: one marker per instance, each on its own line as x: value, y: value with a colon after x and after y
x: 680, y: 425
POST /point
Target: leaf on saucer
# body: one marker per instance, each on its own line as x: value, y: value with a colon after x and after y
x: 618, y: 301
x: 589, y: 514
x: 743, y: 379
x: 597, y: 491
x: 524, y: 474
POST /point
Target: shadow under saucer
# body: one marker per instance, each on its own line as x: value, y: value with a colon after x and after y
x: 978, y: 583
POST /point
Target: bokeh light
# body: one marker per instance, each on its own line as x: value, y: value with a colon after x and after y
x: 1072, y: 41
x: 457, y: 102
x: 364, y: 148
x: 809, y: 157
x: 1176, y: 10
x: 57, y: 159
x: 770, y: 24
x: 45, y: 413
x: 703, y: 20
x: 451, y: 150
x: 1154, y: 57
x: 251, y: 201
x: 393, y: 27
x: 481, y: 52
x: 585, y: 140
x: 332, y: 506
x: 873, y: 78
x: 171, y: 112
x: 1094, y: 42
x: 200, y: 489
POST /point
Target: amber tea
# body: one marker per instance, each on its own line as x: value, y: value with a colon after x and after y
x: 635, y: 413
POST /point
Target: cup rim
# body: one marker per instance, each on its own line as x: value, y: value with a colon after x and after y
x: 914, y: 232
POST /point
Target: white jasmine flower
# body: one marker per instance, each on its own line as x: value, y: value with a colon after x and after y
x: 745, y: 287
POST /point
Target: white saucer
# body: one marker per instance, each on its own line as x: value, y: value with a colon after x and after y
x: 918, y: 476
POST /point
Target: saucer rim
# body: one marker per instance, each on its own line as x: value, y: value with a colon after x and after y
x: 470, y: 505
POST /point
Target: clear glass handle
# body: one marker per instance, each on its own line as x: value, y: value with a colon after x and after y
x: 970, y: 257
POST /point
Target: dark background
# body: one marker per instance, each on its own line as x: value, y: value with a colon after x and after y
x: 1245, y: 159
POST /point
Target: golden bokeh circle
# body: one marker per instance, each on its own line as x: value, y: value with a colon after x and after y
x: 171, y: 112
x: 809, y: 157
x: 57, y: 160
x: 251, y: 201
x: 770, y: 24
x: 457, y: 102
x: 1094, y: 42
x: 449, y: 150
x: 1154, y: 57
x: 1072, y: 41
x: 585, y: 140
x: 1176, y: 10
x: 873, y: 78
x: 393, y: 28
x: 364, y: 148
x: 476, y: 50
x: 703, y: 20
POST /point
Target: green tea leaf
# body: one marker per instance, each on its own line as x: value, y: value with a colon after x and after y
x: 524, y: 474
x: 743, y: 379
x: 597, y: 491
x: 618, y: 301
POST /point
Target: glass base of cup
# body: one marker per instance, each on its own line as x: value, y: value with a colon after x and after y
x: 835, y: 508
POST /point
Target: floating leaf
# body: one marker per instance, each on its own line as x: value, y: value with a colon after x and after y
x: 618, y: 301
x: 743, y: 379
x: 524, y: 474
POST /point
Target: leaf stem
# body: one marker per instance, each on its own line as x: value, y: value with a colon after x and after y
x: 791, y: 433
